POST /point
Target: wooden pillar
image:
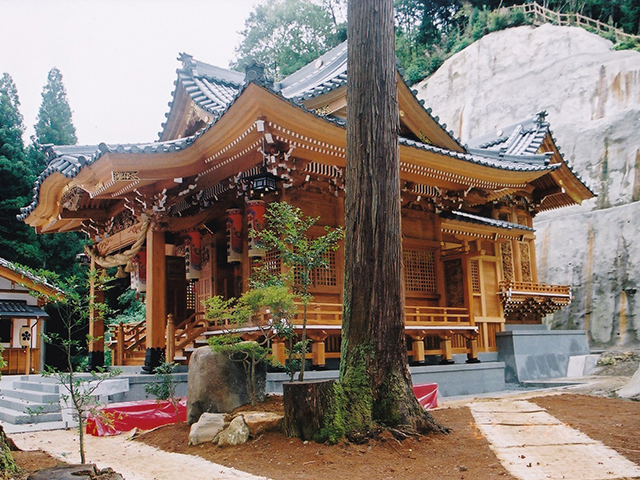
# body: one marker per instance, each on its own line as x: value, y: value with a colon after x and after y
x: 447, y: 352
x: 278, y: 352
x: 318, y: 353
x: 472, y: 348
x: 96, y: 322
x: 119, y: 360
x: 171, y: 338
x: 156, y: 306
x: 417, y: 347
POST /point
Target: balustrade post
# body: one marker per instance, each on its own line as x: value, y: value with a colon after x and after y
x: 278, y: 351
x: 120, y: 345
x: 417, y: 347
x: 171, y: 338
x: 447, y: 349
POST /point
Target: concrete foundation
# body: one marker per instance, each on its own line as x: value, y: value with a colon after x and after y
x: 539, y: 354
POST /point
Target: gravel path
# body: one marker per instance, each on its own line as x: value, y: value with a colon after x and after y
x: 133, y: 460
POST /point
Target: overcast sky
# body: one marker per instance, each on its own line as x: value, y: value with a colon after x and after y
x: 118, y: 57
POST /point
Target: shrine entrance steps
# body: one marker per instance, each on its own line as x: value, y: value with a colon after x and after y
x: 29, y: 399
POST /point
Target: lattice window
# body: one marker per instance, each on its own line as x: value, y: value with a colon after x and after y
x: 191, y: 295
x: 525, y: 258
x: 273, y: 262
x: 420, y: 271
x: 321, y: 276
x: 475, y: 276
x: 507, y: 261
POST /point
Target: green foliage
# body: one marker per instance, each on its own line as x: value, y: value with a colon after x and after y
x: 288, y: 232
x: 132, y: 309
x: 276, y: 301
x: 8, y: 466
x: 3, y: 362
x: 165, y: 388
x: 73, y: 307
x: 286, y: 35
x: 18, y: 170
x: 54, y: 123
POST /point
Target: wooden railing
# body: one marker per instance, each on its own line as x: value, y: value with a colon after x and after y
x: 331, y: 314
x: 535, y: 289
x: 542, y: 14
x: 184, y: 333
x: 129, y: 337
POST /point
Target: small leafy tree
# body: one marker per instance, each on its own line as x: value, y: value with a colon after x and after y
x: 73, y: 306
x: 165, y: 389
x: 277, y: 304
x: 288, y: 233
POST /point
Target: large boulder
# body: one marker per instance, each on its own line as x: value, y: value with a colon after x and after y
x: 217, y: 384
x: 207, y: 428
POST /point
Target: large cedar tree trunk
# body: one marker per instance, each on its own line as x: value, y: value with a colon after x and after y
x: 375, y: 380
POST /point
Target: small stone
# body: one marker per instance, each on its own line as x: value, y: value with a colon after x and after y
x: 259, y: 422
x: 236, y: 433
x: 207, y: 428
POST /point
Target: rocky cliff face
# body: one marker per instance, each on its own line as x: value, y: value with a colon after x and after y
x: 592, y: 95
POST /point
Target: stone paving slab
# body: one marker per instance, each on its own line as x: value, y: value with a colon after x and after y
x: 532, y: 446
x: 520, y: 418
x: 504, y: 436
x: 567, y: 462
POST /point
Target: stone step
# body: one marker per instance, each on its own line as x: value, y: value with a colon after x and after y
x: 19, y: 418
x: 48, y: 387
x: 25, y: 406
x: 30, y: 395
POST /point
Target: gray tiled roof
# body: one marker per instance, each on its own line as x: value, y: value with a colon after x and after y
x: 471, y: 218
x: 25, y: 273
x: 481, y: 159
x: 20, y: 309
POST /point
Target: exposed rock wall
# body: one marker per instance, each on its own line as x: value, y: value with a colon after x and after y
x: 592, y: 94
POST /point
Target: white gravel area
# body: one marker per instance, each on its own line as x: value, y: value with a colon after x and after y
x: 133, y: 460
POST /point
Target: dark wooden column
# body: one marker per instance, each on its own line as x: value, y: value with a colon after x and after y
x: 96, y: 323
x: 156, y: 307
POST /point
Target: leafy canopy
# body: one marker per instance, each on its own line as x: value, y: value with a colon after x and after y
x: 286, y: 35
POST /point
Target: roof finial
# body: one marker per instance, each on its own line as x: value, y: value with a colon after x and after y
x: 541, y: 117
x: 255, y: 72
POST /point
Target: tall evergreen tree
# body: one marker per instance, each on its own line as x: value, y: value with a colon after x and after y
x: 54, y: 123
x: 17, y: 240
x: 374, y: 375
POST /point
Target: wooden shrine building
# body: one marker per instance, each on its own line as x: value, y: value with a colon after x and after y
x: 177, y: 211
x: 22, y: 318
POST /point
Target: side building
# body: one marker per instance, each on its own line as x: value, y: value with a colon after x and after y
x: 178, y: 212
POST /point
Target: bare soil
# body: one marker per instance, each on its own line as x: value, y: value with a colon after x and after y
x: 463, y: 454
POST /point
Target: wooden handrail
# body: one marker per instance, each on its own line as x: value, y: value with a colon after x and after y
x: 331, y: 314
x: 542, y: 14
x: 534, y: 288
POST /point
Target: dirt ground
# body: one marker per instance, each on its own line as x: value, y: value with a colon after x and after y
x: 463, y: 454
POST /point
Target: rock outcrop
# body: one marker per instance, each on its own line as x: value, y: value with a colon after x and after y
x: 217, y: 384
x: 592, y: 95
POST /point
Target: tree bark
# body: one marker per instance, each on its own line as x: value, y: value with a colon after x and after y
x: 306, y: 404
x: 374, y: 375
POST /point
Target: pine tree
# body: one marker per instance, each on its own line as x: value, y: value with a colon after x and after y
x: 54, y: 123
x: 17, y: 240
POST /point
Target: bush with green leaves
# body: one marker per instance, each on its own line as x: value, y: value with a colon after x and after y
x: 267, y: 308
x: 165, y: 388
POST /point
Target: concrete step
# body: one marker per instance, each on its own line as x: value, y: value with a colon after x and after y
x: 30, y: 395
x: 48, y: 387
x: 15, y: 417
x: 24, y: 406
